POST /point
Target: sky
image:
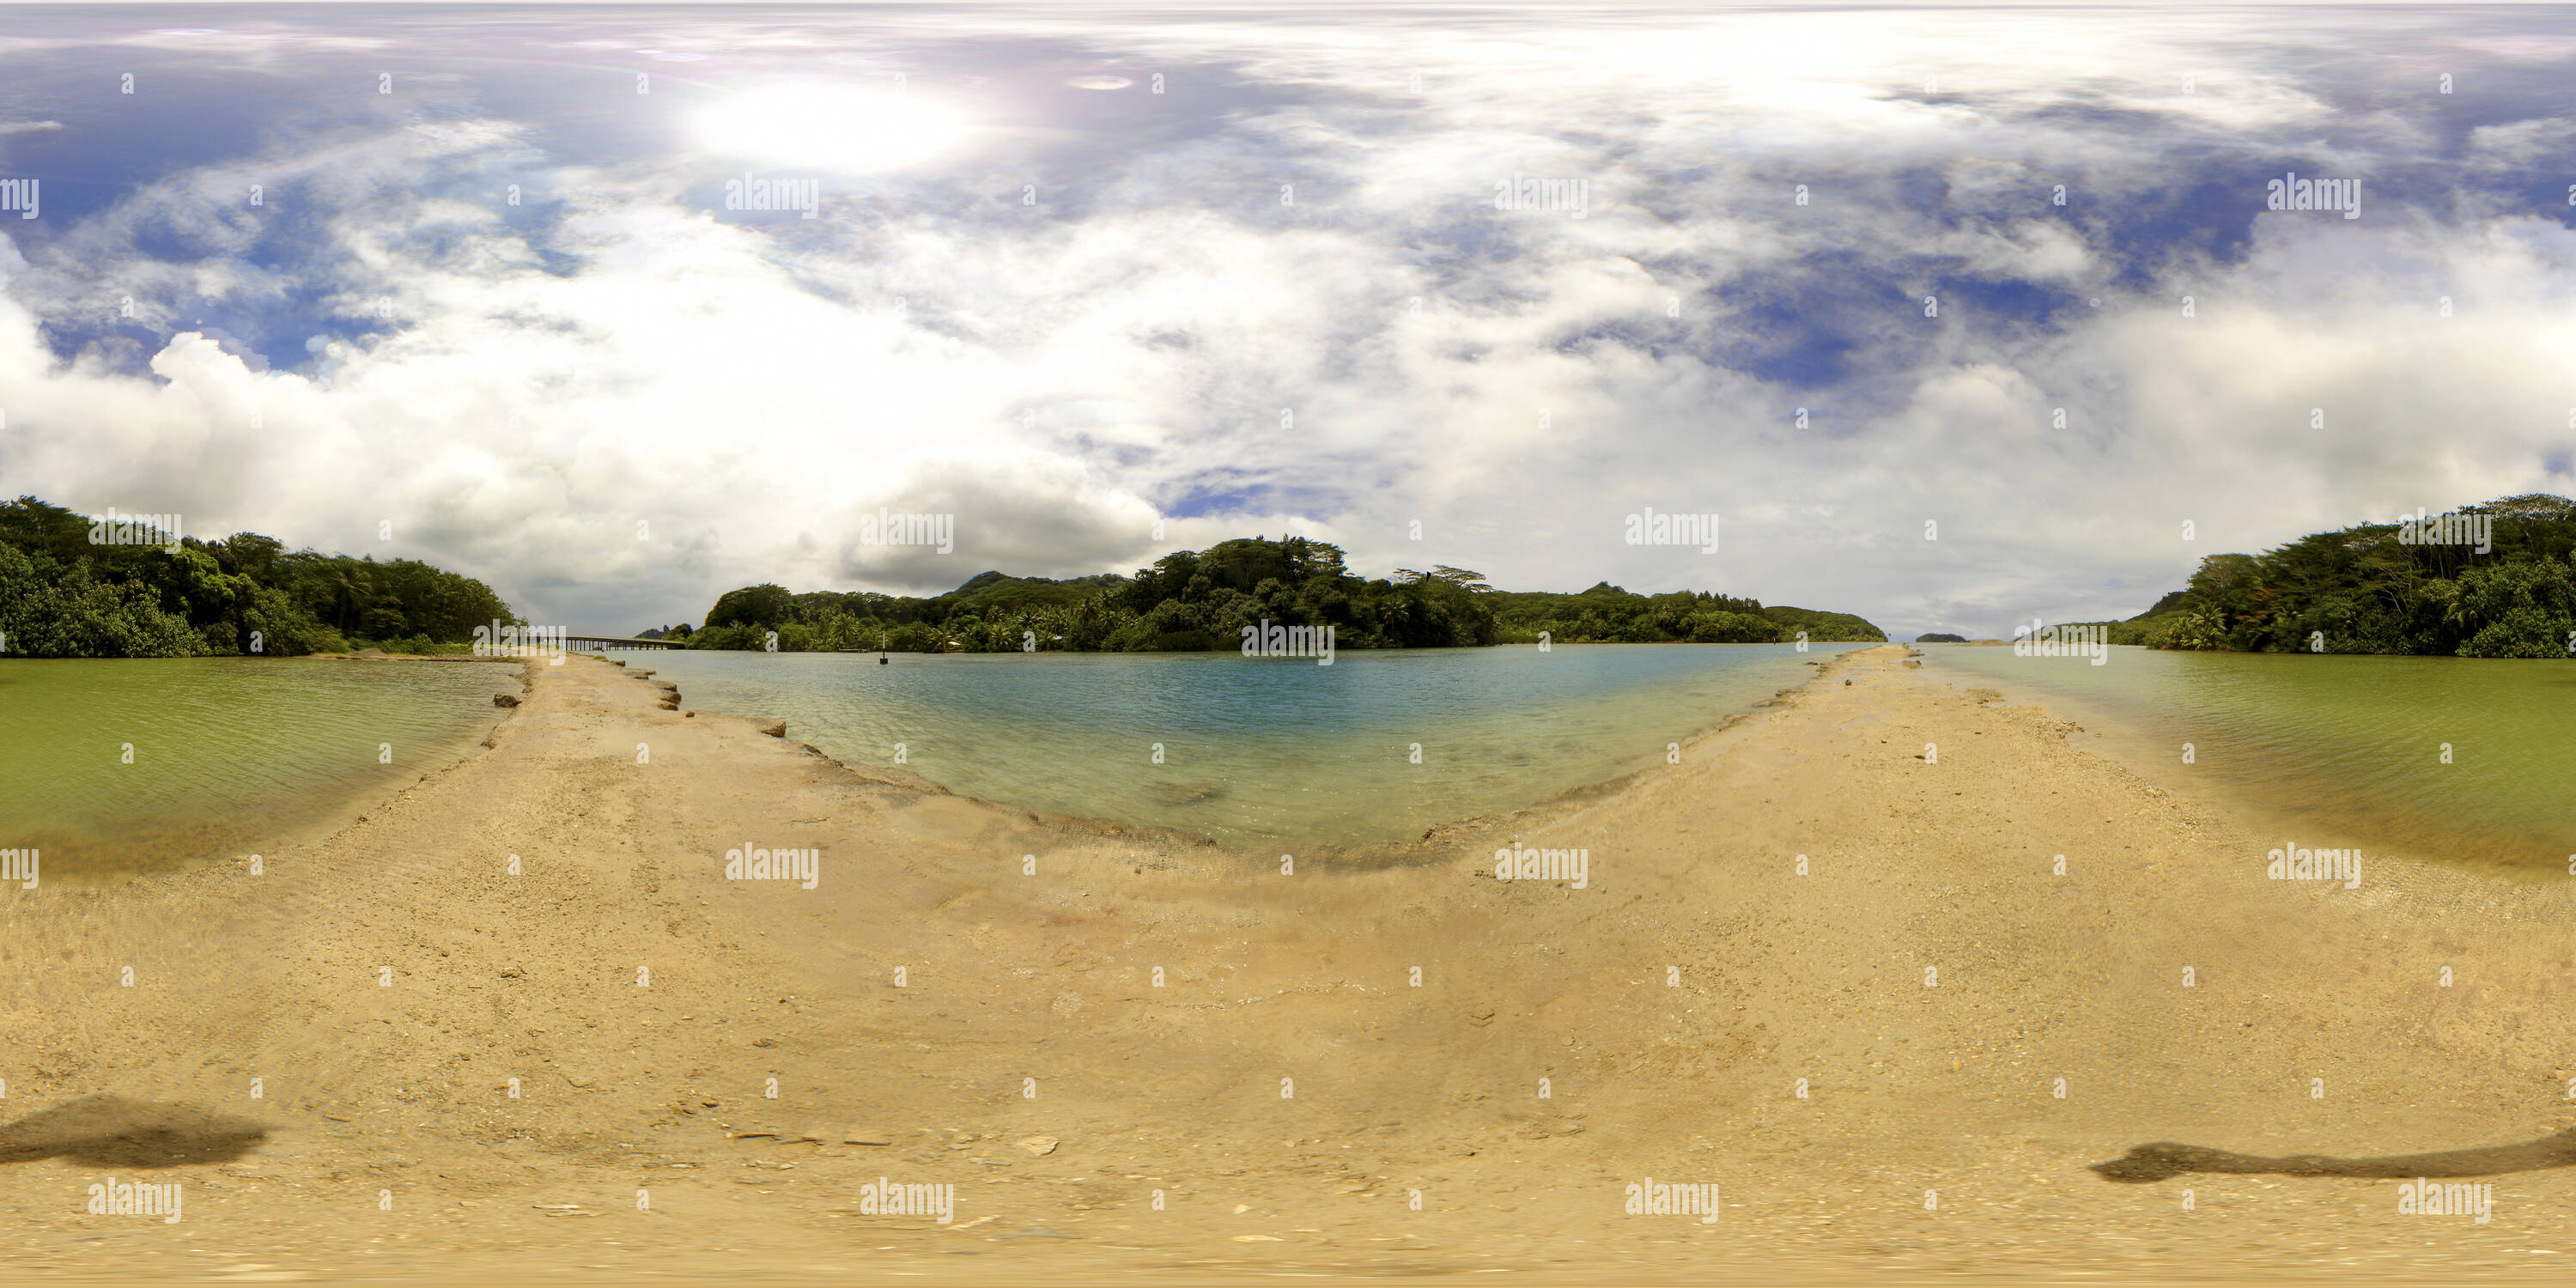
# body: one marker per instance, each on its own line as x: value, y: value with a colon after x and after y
x: 1953, y: 318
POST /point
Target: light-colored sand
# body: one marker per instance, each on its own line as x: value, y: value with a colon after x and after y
x: 1044, y: 983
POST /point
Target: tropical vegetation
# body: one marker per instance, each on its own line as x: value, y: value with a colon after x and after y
x: 1195, y: 601
x: 2366, y: 589
x: 61, y: 595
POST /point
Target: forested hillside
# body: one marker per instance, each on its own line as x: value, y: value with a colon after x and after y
x: 1201, y: 600
x: 63, y: 595
x: 2374, y: 588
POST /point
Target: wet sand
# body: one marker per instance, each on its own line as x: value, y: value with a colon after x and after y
x: 1286, y: 1087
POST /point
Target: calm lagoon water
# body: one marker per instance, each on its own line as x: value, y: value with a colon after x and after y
x: 2345, y: 750
x: 1256, y: 751
x: 228, y: 754
x: 231, y: 753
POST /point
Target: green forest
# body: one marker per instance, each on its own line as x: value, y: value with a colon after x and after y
x: 62, y: 596
x: 2363, y: 590
x: 1197, y: 601
x: 2357, y: 590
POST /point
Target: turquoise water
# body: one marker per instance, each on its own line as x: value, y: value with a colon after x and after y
x: 1255, y: 751
x: 2346, y: 750
x: 129, y: 764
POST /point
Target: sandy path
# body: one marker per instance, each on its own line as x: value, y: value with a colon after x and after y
x: 1672, y: 1006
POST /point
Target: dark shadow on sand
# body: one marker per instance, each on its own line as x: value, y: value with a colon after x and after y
x: 111, y: 1131
x: 2164, y: 1159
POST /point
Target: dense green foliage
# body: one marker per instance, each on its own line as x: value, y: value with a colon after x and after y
x: 2148, y: 628
x: 1608, y: 614
x: 2362, y: 590
x: 1940, y: 637
x: 1824, y: 627
x: 1201, y: 600
x: 63, y: 596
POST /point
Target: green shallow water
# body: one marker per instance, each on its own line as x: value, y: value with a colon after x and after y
x: 228, y: 754
x: 2338, y: 750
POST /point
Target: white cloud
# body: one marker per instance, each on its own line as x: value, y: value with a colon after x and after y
x: 611, y: 355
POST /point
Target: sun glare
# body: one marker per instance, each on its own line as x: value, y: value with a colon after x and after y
x: 845, y: 128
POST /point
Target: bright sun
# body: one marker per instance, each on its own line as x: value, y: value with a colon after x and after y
x: 845, y: 128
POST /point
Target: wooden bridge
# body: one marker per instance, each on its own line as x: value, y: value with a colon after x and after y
x: 581, y: 643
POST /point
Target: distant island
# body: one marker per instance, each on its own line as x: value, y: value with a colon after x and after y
x: 2420, y: 586
x: 1940, y: 637
x: 1199, y: 601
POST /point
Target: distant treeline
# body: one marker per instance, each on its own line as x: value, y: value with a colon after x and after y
x: 1197, y: 601
x: 63, y: 595
x: 2385, y: 588
x: 1607, y: 614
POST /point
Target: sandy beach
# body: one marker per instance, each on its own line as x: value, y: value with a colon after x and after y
x: 1828, y: 963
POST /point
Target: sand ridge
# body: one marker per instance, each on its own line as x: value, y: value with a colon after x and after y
x: 1287, y: 1088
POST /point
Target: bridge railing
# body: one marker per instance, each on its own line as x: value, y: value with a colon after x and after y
x: 614, y: 643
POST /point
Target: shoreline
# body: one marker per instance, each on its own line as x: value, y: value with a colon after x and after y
x: 312, y: 812
x: 1072, y: 1039
x: 2304, y: 808
x: 323, y: 815
x: 1420, y: 850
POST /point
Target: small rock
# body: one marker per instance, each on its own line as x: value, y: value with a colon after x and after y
x: 512, y: 972
x: 1038, y: 1145
x: 504, y: 700
x: 775, y: 728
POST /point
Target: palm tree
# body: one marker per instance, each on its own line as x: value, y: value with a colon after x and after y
x: 346, y: 589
